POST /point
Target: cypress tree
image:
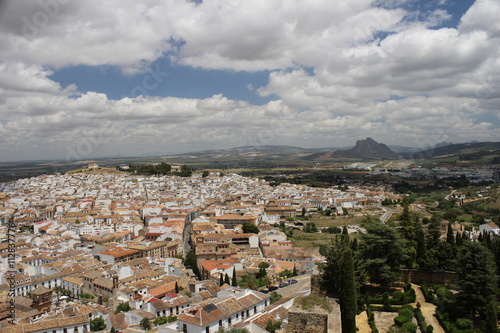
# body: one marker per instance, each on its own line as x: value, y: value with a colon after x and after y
x: 234, y: 281
x: 221, y: 280
x: 176, y: 288
x: 450, y: 238
x: 226, y: 280
x: 348, y: 293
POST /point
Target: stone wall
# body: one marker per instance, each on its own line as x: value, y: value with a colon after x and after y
x: 307, y: 322
x: 415, y: 276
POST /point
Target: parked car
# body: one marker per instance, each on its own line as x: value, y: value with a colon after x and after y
x: 292, y: 281
x: 273, y: 288
x: 264, y: 291
x: 284, y: 284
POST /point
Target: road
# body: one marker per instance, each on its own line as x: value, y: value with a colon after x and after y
x: 388, y: 213
x: 301, y: 288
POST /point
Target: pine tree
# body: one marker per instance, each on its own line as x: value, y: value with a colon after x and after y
x: 221, y: 280
x: 227, y: 280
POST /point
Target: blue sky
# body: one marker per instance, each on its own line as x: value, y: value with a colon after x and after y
x: 80, y: 80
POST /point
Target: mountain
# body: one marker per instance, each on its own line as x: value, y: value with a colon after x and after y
x: 368, y: 149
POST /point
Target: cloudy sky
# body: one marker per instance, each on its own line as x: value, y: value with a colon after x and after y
x: 94, y: 78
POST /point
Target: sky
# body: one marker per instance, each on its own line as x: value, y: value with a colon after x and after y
x: 88, y: 79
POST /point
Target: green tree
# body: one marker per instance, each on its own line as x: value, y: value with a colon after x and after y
x: 294, y: 273
x: 205, y: 174
x: 476, y: 278
x: 272, y: 326
x: 450, y: 237
x: 192, y: 262
x: 384, y: 252
x: 122, y: 307
x: 234, y: 281
x: 263, y: 266
x: 310, y: 228
x: 145, y: 324
x: 112, y: 330
x: 434, y: 232
x: 221, y: 280
x: 348, y: 293
x: 97, y: 324
x: 274, y: 297
x: 227, y: 280
x: 249, y: 228
x: 176, y: 288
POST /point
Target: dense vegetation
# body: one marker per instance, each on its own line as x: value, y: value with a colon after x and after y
x: 431, y: 244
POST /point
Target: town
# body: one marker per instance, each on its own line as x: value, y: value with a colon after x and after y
x: 87, y: 244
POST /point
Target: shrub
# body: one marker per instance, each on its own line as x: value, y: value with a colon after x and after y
x: 429, y: 329
x: 401, y: 320
x: 406, y: 313
x: 410, y: 327
x: 464, y: 323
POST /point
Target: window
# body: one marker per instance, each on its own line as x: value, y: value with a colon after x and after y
x: 229, y: 321
x: 184, y: 328
x: 254, y: 310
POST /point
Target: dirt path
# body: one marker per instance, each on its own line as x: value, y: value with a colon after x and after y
x: 362, y: 323
x: 428, y: 310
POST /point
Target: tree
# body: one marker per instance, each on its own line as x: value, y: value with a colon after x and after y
x: 434, y: 232
x: 112, y: 330
x: 310, y: 228
x: 227, y: 280
x: 249, y: 228
x: 348, y: 293
x: 384, y: 252
x: 272, y: 326
x: 176, y: 288
x: 303, y: 211
x: 145, y: 324
x: 275, y: 297
x: 339, y: 277
x: 122, y: 307
x: 263, y: 266
x: 450, y: 237
x: 192, y: 262
x: 97, y: 324
x: 294, y: 273
x: 234, y: 281
x: 221, y: 280
x: 476, y: 278
x: 205, y: 174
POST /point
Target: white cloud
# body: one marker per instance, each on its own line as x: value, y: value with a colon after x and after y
x: 417, y: 84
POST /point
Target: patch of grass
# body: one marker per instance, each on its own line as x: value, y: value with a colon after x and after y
x: 302, y: 239
x: 310, y: 301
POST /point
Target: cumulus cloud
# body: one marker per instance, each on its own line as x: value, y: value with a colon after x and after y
x: 340, y: 71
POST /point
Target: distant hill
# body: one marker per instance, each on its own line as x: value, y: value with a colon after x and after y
x: 247, y: 152
x: 464, y: 151
x: 368, y: 149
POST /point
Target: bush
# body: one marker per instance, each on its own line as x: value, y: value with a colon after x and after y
x: 420, y: 320
x: 464, y: 323
x: 429, y: 329
x: 401, y: 320
x: 406, y: 313
x: 410, y: 327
